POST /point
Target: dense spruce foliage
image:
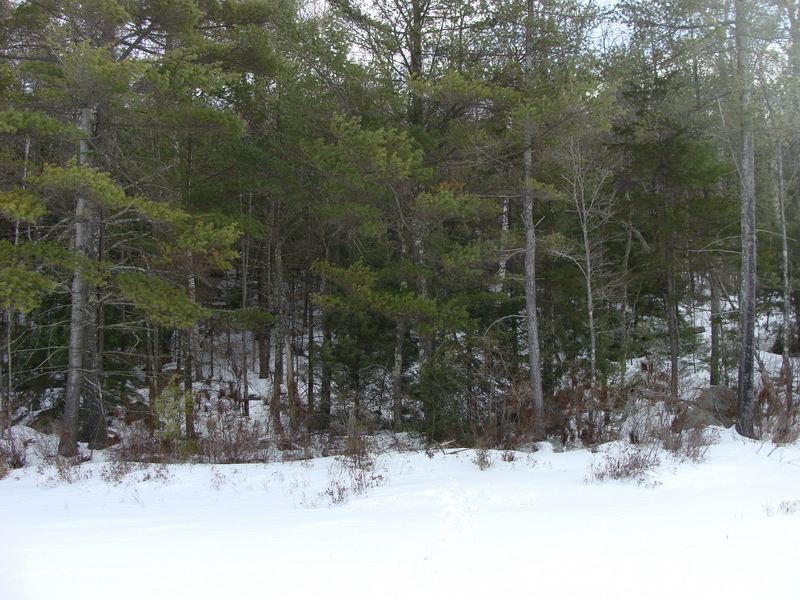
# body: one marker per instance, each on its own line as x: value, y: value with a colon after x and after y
x: 461, y: 218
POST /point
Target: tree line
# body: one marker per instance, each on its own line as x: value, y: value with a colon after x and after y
x: 421, y: 214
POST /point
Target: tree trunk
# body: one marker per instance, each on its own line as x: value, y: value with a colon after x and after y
x: 716, y: 333
x: 502, y: 261
x: 6, y: 378
x: 624, y: 306
x: 94, y: 428
x: 397, y: 373
x: 264, y: 282
x: 583, y: 209
x: 311, y: 352
x: 325, y: 376
x: 245, y: 354
x: 188, y: 383
x: 418, y: 7
x: 672, y: 323
x: 531, y: 315
x: 426, y: 337
x: 788, y: 373
x: 747, y: 290
x: 292, y: 394
x: 82, y: 311
x: 280, y: 333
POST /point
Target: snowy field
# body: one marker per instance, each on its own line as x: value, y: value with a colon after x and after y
x: 540, y: 525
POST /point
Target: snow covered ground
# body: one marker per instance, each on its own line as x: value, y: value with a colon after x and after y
x: 539, y: 525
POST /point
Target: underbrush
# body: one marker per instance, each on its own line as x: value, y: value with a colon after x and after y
x: 652, y: 432
x: 13, y: 453
x: 657, y: 423
x: 350, y: 476
x: 628, y: 463
x: 625, y: 461
x: 778, y: 419
x: 634, y: 432
x: 223, y: 436
x: 20, y: 445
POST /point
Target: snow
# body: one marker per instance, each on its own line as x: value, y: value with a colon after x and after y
x: 422, y: 527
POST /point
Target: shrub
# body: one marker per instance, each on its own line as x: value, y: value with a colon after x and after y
x: 483, y: 459
x: 779, y: 422
x: 230, y: 437
x: 658, y: 423
x: 353, y: 474
x: 137, y: 443
x: 508, y: 456
x: 629, y: 463
x: 583, y: 416
x: 114, y: 472
x: 689, y: 445
x: 13, y: 452
x: 169, y: 409
x: 68, y: 470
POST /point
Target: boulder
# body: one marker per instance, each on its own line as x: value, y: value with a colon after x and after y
x: 715, y: 405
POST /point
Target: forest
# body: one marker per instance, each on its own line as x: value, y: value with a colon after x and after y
x: 489, y: 223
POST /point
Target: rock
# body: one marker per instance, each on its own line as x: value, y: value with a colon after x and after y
x: 714, y: 406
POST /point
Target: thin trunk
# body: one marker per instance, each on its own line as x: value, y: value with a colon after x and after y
x: 716, y: 332
x: 195, y: 347
x: 291, y: 387
x: 747, y: 295
x: 189, y: 344
x: 245, y: 354
x: 672, y: 324
x: 280, y: 333
x: 532, y: 318
x: 264, y: 282
x: 188, y: 383
x: 625, y: 321
x: 426, y: 338
x: 212, y: 337
x: 399, y: 346
x: 502, y: 262
x: 715, y: 375
x: 793, y: 14
x: 326, y: 373
x: 590, y: 307
x: 415, y: 115
x: 7, y: 376
x: 311, y: 352
x: 397, y: 373
x: 583, y: 210
x: 152, y: 369
x: 416, y: 118
x: 194, y: 355
x: 787, y: 287
x: 325, y: 377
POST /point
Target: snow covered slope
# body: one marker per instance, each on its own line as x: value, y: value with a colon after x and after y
x: 422, y: 527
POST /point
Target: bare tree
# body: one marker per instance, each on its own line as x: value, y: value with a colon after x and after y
x: 593, y: 208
